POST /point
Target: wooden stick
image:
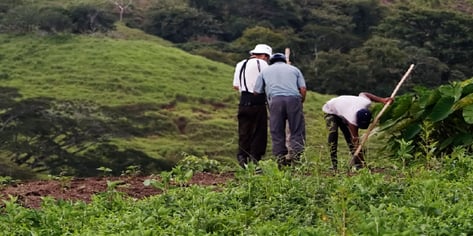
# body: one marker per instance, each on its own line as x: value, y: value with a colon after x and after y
x: 376, y: 119
x: 287, y: 53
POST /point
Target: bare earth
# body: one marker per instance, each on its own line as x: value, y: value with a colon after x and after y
x: 29, y: 193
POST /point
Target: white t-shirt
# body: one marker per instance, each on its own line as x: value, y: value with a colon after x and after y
x: 346, y: 106
x: 253, y: 67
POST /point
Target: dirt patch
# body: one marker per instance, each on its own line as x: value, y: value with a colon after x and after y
x: 29, y: 193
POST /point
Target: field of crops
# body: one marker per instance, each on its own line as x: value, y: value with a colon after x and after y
x: 301, y: 200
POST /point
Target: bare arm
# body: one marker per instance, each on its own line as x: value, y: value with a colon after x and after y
x: 375, y: 98
x: 303, y: 91
x: 354, y: 134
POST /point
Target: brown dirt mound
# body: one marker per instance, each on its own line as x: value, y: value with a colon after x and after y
x: 29, y: 193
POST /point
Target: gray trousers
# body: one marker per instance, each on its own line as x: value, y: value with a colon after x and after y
x: 282, y: 109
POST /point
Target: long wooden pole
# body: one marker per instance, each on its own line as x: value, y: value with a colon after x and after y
x: 376, y: 119
x: 287, y: 53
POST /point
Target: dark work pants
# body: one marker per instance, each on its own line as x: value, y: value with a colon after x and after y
x: 282, y: 109
x: 252, y: 133
x: 333, y: 123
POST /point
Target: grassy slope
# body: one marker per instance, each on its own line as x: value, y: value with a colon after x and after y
x: 137, y: 71
x: 111, y: 72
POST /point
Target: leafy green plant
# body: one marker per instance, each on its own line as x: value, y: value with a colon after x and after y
x: 181, y: 175
x: 6, y: 180
x: 417, y: 201
x: 133, y: 170
x: 199, y: 164
x: 163, y: 182
x: 436, y: 121
x: 65, y: 181
x: 105, y: 170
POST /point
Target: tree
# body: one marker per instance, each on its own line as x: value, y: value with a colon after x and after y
x: 20, y: 19
x: 326, y: 38
x: 180, y: 24
x: 252, y: 36
x: 446, y: 34
x: 89, y: 18
x: 122, y: 6
x: 54, y: 20
x: 376, y: 67
x: 6, y: 5
x: 386, y: 62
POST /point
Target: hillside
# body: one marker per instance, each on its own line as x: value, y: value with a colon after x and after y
x: 72, y: 104
x: 149, y: 89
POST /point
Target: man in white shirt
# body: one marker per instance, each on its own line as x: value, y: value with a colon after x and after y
x: 349, y: 113
x: 252, y: 113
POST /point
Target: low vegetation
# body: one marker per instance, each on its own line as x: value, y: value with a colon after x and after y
x: 68, y: 100
x: 111, y: 100
x: 304, y: 200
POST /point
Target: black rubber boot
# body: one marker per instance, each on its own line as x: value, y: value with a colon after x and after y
x: 283, y: 161
x: 242, y: 160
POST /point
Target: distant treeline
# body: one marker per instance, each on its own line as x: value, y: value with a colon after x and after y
x: 342, y: 47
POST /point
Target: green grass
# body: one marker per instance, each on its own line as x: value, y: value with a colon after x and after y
x: 137, y: 76
x: 108, y: 71
x: 186, y: 99
x: 299, y: 201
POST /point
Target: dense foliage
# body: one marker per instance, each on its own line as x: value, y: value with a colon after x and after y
x: 336, y: 43
x: 82, y: 18
x: 71, y: 104
x: 431, y: 123
x: 299, y: 201
x: 78, y: 105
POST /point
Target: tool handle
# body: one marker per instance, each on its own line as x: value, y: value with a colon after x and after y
x: 376, y: 119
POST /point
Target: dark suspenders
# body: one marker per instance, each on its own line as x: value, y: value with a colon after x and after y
x: 243, y: 72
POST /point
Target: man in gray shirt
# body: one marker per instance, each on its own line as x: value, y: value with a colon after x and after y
x: 285, y: 89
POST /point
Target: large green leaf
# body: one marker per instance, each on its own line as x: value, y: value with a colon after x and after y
x: 442, y: 109
x: 468, y: 88
x: 468, y: 114
x: 451, y: 90
x: 463, y: 139
x: 446, y: 143
x: 465, y: 101
x: 399, y: 108
x: 427, y: 98
x: 411, y: 131
x: 457, y: 140
x: 417, y: 112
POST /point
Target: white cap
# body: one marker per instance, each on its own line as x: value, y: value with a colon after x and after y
x: 262, y: 49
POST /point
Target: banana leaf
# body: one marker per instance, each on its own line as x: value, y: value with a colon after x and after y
x: 468, y: 114
x: 451, y: 90
x: 442, y: 109
x: 465, y: 101
x: 411, y: 131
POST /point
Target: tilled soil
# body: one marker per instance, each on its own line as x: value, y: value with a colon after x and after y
x: 29, y: 193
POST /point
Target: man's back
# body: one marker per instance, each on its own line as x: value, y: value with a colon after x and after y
x: 246, y: 72
x: 281, y: 79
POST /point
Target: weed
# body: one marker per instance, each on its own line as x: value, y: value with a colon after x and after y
x: 404, y: 152
x: 6, y: 180
x: 64, y: 181
x: 105, y: 171
x: 427, y: 145
x: 133, y: 170
x: 199, y: 164
x: 163, y: 183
